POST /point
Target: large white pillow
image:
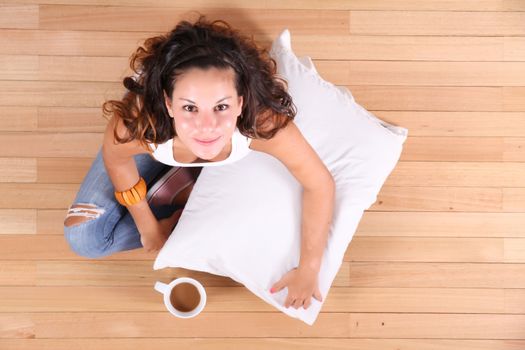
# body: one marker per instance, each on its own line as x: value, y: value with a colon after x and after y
x: 243, y: 220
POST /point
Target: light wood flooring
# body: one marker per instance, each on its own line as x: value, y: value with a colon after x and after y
x: 438, y: 262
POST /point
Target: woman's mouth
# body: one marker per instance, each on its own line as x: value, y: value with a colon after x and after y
x: 207, y: 142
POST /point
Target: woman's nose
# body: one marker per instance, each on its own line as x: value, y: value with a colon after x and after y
x: 206, y: 122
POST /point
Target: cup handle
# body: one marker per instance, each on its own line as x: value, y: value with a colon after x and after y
x: 161, y: 287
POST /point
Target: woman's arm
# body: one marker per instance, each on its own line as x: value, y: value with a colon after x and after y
x: 292, y: 149
x: 123, y: 172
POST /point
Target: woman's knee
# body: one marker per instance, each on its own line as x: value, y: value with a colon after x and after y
x: 82, y: 238
x: 82, y: 212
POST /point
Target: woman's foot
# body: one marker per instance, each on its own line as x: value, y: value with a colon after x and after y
x: 172, y: 188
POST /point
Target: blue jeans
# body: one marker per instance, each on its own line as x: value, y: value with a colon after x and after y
x: 111, y: 227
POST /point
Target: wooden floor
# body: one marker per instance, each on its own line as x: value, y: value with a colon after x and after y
x: 437, y: 263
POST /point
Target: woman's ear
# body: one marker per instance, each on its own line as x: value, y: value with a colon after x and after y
x: 167, y: 102
x: 241, y: 100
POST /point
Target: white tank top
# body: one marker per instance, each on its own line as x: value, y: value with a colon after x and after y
x: 240, y: 148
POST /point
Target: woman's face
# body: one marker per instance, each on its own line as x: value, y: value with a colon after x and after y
x: 205, y: 108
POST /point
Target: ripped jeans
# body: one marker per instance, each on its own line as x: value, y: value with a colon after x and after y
x: 110, y: 228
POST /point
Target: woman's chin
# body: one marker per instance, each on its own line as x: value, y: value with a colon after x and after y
x: 206, y: 155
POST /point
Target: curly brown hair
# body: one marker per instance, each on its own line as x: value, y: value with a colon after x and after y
x: 267, y: 105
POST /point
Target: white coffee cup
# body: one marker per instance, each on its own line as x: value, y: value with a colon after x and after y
x: 166, y: 289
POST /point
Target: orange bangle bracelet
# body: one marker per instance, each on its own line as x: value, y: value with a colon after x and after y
x: 134, y: 195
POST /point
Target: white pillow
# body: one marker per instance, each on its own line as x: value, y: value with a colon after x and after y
x: 243, y: 220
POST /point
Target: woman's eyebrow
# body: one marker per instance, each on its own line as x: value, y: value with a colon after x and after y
x: 222, y: 99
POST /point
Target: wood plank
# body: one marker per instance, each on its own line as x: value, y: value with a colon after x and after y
x: 58, y: 94
x: 33, y: 196
x: 408, y: 48
x: 79, y: 68
x: 56, y: 144
x: 113, y: 18
x: 71, y: 119
x: 361, y: 249
x: 162, y: 324
x: 166, y: 343
x: 514, y: 299
x: 375, y: 325
x: 18, y: 221
x: 460, y: 199
x: 513, y: 98
x: 437, y: 99
x: 428, y: 249
x: 54, y: 119
x: 19, y: 67
x: 437, y: 249
x: 418, y: 73
x: 473, y: 124
x: 240, y: 299
x: 463, y: 149
x: 19, y: 16
x: 513, y: 5
x: 18, y: 170
x: 51, y: 170
x: 466, y: 149
x: 77, y: 43
x: 464, y: 174
x: 436, y: 275
x: 437, y: 23
x: 50, y: 221
x: 513, y: 48
x: 441, y: 224
x: 453, y: 5
x: 436, y: 326
x: 16, y: 118
x: 325, y: 46
x: 514, y: 250
x: 17, y: 273
x: 514, y: 199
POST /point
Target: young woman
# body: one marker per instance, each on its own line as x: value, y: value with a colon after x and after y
x: 202, y: 95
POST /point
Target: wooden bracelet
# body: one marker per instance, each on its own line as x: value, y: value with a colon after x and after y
x: 133, y: 195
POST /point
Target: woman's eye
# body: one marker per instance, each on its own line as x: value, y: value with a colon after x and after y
x: 190, y: 108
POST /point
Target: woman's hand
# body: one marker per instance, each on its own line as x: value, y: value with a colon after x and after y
x: 302, y: 285
x: 153, y: 241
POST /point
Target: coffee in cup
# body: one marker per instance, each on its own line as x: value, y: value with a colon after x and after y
x: 184, y: 297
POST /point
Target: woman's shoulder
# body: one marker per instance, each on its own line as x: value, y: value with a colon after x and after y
x: 268, y: 126
x: 281, y: 138
x: 116, y: 128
